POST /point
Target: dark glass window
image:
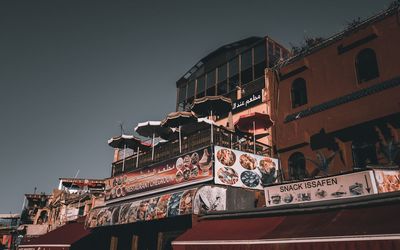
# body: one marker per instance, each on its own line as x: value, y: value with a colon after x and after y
x: 211, y: 82
x: 222, y: 85
x: 297, y: 166
x: 366, y: 65
x: 182, y: 93
x: 190, y: 93
x: 246, y: 69
x: 259, y: 60
x: 299, y: 93
x: 233, y: 73
x: 200, y: 87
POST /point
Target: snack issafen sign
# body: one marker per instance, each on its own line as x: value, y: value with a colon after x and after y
x: 241, y: 169
x: 334, y: 187
x: 182, y: 171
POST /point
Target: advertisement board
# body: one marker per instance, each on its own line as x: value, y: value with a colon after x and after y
x: 322, y: 189
x: 157, y: 207
x: 192, y: 168
x: 241, y: 169
x: 387, y: 180
x: 247, y: 102
x: 209, y: 198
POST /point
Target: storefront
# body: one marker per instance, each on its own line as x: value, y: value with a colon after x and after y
x: 147, y: 209
x: 348, y: 211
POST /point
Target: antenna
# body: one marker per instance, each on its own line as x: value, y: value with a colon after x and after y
x: 121, y: 126
x: 76, y: 175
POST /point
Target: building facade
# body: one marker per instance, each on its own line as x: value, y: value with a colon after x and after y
x: 336, y: 105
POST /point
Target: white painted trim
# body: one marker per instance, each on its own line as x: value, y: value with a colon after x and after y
x: 293, y: 240
x: 45, y: 245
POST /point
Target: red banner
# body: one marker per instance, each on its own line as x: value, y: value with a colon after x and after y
x: 182, y: 171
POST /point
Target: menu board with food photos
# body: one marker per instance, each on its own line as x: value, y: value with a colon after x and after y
x: 387, y: 180
x: 158, y: 207
x: 191, y: 168
x: 241, y: 169
x: 322, y: 189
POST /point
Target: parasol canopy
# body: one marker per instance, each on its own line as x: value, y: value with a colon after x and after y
x: 176, y: 119
x: 126, y: 141
x: 153, y: 129
x: 211, y: 105
x: 249, y: 122
x: 252, y: 122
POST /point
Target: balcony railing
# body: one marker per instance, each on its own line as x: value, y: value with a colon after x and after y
x: 197, y: 140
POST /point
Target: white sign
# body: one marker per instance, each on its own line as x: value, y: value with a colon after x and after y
x: 241, y: 169
x: 322, y: 189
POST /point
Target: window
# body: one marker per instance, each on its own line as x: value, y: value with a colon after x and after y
x: 364, y: 152
x: 211, y: 83
x: 200, y: 87
x: 233, y: 74
x: 366, y: 65
x: 246, y: 68
x: 190, y: 92
x: 297, y: 166
x: 299, y: 93
x: 259, y: 61
x: 222, y: 86
x: 181, y: 93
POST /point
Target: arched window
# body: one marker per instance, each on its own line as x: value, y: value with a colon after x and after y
x: 297, y: 166
x: 299, y: 93
x: 366, y: 65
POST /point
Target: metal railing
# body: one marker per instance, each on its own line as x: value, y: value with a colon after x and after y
x: 197, y: 140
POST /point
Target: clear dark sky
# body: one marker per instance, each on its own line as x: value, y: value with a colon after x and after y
x: 71, y: 70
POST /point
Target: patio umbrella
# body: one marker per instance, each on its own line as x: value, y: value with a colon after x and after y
x: 126, y: 141
x: 252, y: 122
x: 176, y: 120
x: 211, y: 105
x: 152, y: 129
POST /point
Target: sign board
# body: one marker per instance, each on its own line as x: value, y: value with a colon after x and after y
x: 209, y: 198
x: 387, y: 180
x: 158, y: 207
x: 178, y: 172
x: 247, y: 102
x: 322, y: 189
x: 241, y: 169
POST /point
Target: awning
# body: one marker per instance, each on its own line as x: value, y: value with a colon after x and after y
x: 375, y: 227
x: 62, y: 238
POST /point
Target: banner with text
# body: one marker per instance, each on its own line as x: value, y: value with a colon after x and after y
x: 247, y: 102
x: 240, y: 169
x: 322, y: 189
x: 182, y: 171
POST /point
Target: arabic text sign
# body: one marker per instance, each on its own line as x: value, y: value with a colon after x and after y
x: 182, y: 171
x: 240, y: 169
x: 247, y: 102
x: 321, y: 189
x: 158, y: 207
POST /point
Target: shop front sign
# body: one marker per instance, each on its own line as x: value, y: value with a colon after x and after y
x: 241, y: 169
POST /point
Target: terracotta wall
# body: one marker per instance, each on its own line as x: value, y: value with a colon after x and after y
x: 330, y: 75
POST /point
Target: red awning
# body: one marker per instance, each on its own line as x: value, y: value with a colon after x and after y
x: 347, y: 228
x: 61, y: 238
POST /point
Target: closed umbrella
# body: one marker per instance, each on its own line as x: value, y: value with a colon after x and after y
x: 252, y: 122
x: 176, y: 120
x: 152, y: 129
x: 211, y: 105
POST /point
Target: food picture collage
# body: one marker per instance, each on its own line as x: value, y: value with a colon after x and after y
x: 158, y: 207
x: 241, y: 169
